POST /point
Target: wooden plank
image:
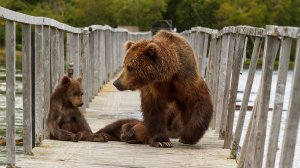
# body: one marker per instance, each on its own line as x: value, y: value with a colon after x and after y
x: 216, y: 82
x: 47, y: 74
x: 263, y: 105
x: 76, y: 56
x: 205, y: 55
x: 39, y: 85
x: 53, y: 57
x: 285, y: 51
x: 85, y: 77
x: 61, y: 56
x: 231, y: 55
x: 27, y: 19
x: 283, y: 31
x: 107, y: 54
x: 249, y: 136
x: 10, y: 49
x: 102, y: 57
x: 236, y: 67
x: 199, y: 53
x: 26, y: 75
x: 95, y: 62
x: 91, y: 64
x: 246, y: 96
x: 292, y: 122
x: 221, y: 85
x: 69, y: 50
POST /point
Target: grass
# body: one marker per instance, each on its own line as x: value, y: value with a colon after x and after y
x: 18, y: 58
x: 259, y: 64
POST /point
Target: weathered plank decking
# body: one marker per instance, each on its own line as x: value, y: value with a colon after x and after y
x: 110, y: 105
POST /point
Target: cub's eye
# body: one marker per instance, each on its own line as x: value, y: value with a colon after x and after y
x: 129, y: 68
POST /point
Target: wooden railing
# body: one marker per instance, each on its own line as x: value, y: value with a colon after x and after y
x: 226, y: 52
x: 96, y: 53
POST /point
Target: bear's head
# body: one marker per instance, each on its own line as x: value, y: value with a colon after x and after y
x: 142, y: 65
x: 72, y: 90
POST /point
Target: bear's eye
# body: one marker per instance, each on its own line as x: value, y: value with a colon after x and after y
x: 129, y: 68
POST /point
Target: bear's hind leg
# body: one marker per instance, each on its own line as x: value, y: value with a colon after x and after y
x: 195, y: 128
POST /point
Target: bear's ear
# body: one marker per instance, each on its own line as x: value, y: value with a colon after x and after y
x: 128, y: 44
x: 79, y: 79
x: 65, y: 81
x: 151, y: 49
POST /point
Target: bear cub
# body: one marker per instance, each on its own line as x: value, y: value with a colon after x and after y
x: 65, y: 120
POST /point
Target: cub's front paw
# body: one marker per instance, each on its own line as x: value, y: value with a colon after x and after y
x: 100, y: 137
x: 76, y: 137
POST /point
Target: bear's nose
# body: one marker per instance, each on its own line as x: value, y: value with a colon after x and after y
x: 80, y: 104
x: 118, y: 85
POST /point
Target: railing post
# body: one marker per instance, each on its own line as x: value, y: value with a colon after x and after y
x: 102, y: 57
x: 95, y: 62
x: 39, y: 85
x: 61, y: 54
x: 91, y: 65
x: 292, y: 122
x: 47, y: 79
x: 246, y: 96
x: 285, y: 51
x: 53, y: 57
x: 26, y: 72
x: 85, y: 55
x: 10, y: 47
x: 220, y: 116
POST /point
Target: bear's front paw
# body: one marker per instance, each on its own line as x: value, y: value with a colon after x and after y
x: 161, y: 144
x: 161, y: 141
x: 100, y: 137
x: 76, y: 137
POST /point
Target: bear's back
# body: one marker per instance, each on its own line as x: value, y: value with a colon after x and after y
x: 183, y: 49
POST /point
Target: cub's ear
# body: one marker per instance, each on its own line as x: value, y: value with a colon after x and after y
x: 151, y: 49
x: 128, y: 44
x: 65, y: 81
x: 79, y: 79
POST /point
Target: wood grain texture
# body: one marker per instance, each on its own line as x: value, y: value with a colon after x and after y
x: 47, y: 76
x: 246, y: 96
x: 108, y: 106
x: 285, y: 51
x: 292, y: 122
x: 10, y: 48
x: 26, y: 73
x: 39, y: 85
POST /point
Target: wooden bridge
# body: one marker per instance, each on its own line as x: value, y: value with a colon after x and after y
x: 97, y: 53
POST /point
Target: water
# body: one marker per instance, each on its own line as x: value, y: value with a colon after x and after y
x: 242, y: 84
x: 18, y: 107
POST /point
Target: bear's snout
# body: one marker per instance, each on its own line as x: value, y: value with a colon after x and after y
x: 81, y: 104
x: 118, y: 85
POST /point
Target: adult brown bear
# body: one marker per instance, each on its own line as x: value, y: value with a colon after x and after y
x: 65, y: 120
x: 164, y: 69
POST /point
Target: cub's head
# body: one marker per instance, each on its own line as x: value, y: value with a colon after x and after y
x: 72, y: 90
x: 141, y: 65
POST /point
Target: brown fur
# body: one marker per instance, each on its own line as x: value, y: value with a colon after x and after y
x: 126, y: 130
x: 165, y: 71
x: 133, y: 131
x: 65, y: 120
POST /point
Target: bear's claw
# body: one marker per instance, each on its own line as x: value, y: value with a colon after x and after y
x: 161, y: 144
x: 101, y: 137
